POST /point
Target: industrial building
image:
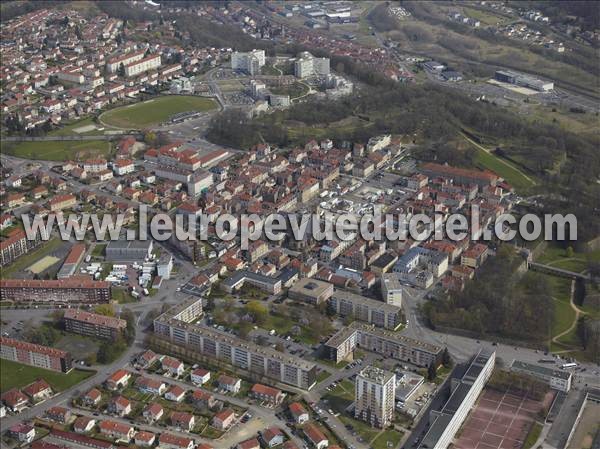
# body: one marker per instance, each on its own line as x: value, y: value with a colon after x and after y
x: 128, y: 250
x: 342, y: 344
x: 374, y: 396
x: 74, y: 258
x: 522, y: 80
x: 445, y: 423
x: 199, y: 342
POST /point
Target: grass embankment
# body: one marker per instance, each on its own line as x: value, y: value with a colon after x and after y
x: 17, y: 375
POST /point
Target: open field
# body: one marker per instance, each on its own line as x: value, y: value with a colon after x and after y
x: 16, y: 375
x: 79, y: 346
x: 57, y: 150
x: 155, y: 111
x: 42, y: 264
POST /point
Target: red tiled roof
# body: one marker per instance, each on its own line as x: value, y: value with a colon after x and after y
x: 265, y: 390
x: 25, y: 346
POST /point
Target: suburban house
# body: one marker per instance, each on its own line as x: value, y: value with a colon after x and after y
x: 38, y: 390
x: 153, y: 412
x: 172, y: 366
x: 118, y: 379
x: 200, y: 376
x: 116, y: 430
x: 267, y: 394
x: 144, y: 438
x: 182, y: 420
x: 120, y: 406
x: 152, y: 386
x: 170, y: 441
x: 175, y: 393
x: 272, y: 436
x: 223, y: 419
x: 316, y: 436
x: 299, y: 413
x: 84, y: 424
x: 92, y: 397
x: 230, y: 384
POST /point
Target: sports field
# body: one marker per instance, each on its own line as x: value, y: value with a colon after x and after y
x: 499, y: 421
x: 155, y: 111
x: 57, y: 150
x: 42, y: 264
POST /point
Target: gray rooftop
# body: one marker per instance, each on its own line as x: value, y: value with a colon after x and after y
x: 540, y: 370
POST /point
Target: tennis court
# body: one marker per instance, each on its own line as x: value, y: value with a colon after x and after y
x: 499, y: 421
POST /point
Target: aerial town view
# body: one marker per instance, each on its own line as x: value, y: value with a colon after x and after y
x: 307, y: 224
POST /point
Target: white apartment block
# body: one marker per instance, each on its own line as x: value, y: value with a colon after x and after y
x: 307, y: 65
x: 391, y: 289
x: 143, y: 65
x: 374, y: 396
x: 71, y: 77
x: 250, y: 62
x: 112, y: 66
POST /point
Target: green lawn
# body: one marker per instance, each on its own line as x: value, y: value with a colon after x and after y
x: 25, y: 261
x: 556, y: 256
x: 533, y: 435
x: 57, y: 150
x: 388, y: 439
x: 155, y: 111
x: 16, y: 375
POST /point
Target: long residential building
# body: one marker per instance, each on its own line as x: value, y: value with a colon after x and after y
x: 76, y: 289
x: 379, y: 313
x: 93, y: 324
x: 35, y: 355
x: 193, y: 340
x: 16, y: 245
x: 342, y: 344
x: 444, y: 423
x: 143, y: 65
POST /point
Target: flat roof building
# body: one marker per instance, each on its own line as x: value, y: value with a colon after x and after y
x: 558, y: 380
x: 445, y: 423
x: 93, y: 324
x: 311, y: 291
x: 199, y: 342
x: 239, y: 278
x: 380, y: 314
x: 128, y: 250
x: 374, y: 395
x: 382, y: 341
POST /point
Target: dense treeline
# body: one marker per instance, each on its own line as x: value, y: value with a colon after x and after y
x: 10, y: 10
x: 588, y: 331
x: 203, y: 32
x: 496, y: 302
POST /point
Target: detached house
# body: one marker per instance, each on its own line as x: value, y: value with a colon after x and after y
x: 267, y: 394
x: 224, y: 419
x: 120, y: 406
x: 118, y: 379
x: 153, y: 412
x: 172, y: 366
x: 182, y: 420
x: 175, y: 393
